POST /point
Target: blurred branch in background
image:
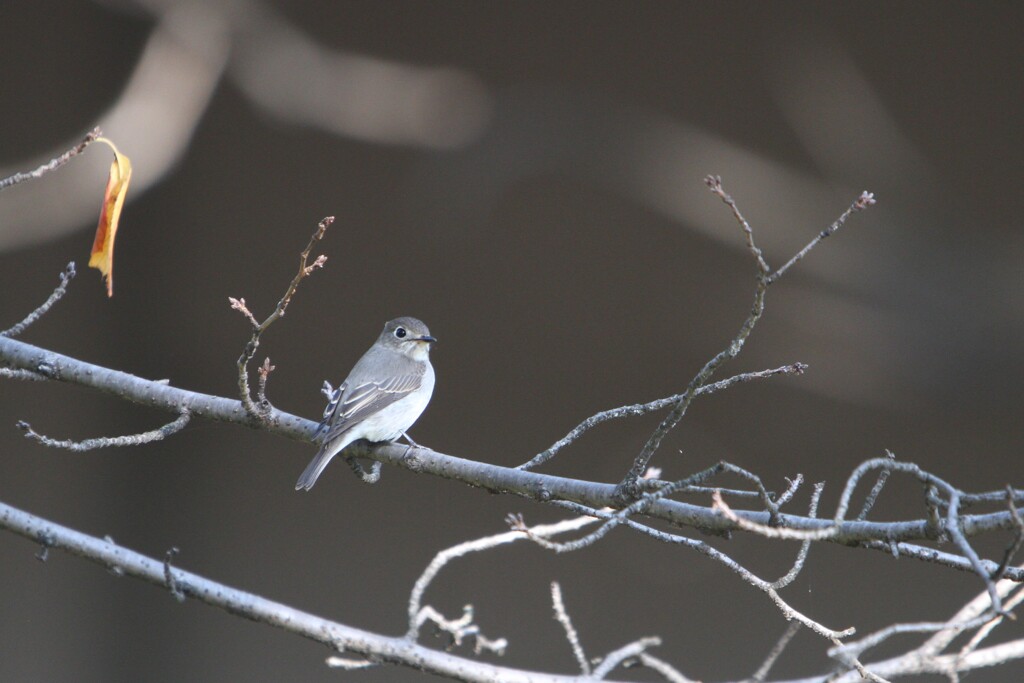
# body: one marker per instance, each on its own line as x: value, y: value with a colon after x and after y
x: 154, y: 117
x: 193, y: 45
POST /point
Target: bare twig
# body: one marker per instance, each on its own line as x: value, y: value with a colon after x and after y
x: 563, y: 618
x: 620, y: 516
x: 928, y: 657
x: 775, y: 653
x: 931, y: 555
x: 788, y: 612
x: 659, y: 484
x: 653, y: 406
x: 628, y: 489
x: 767, y: 531
x: 979, y: 605
x: 65, y: 278
x: 109, y: 441
x: 618, y: 656
x: 982, y: 633
x: 52, y: 164
x: 787, y: 495
x: 480, y: 544
x: 261, y: 410
x: 264, y: 373
x: 953, y: 521
x: 851, y: 662
x: 370, y: 646
x: 172, y: 583
x: 865, y: 200
x: 876, y: 490
x: 801, y: 556
x: 461, y: 629
x: 661, y: 667
x: 1018, y: 537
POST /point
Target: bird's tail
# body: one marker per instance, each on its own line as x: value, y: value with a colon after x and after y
x: 316, y: 466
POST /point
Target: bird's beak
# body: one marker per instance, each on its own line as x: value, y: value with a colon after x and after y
x: 426, y: 338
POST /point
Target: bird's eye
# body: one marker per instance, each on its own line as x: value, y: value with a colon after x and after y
x: 400, y: 333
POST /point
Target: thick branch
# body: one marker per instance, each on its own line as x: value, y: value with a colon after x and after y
x: 156, y: 394
x: 540, y: 487
x: 379, y: 648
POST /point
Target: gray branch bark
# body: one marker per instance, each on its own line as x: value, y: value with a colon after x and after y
x: 541, y: 487
x: 377, y: 648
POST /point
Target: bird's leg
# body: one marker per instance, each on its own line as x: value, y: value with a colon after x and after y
x: 409, y: 438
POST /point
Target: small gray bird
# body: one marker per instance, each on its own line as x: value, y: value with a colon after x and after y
x: 385, y: 393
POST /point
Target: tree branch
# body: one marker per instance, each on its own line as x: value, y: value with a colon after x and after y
x: 376, y: 647
x: 532, y: 485
x: 52, y: 164
x: 65, y: 279
x: 157, y: 434
x: 261, y: 408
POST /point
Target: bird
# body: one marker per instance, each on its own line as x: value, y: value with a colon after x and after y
x: 384, y: 394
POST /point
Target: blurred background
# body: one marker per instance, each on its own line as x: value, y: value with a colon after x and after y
x: 526, y: 178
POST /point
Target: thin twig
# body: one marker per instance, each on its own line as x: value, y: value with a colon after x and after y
x: 852, y: 662
x: 801, y: 556
x: 982, y: 633
x: 660, y: 666
x: 787, y: 495
x: 876, y: 490
x: 172, y: 583
x: 477, y: 545
x: 261, y: 410
x: 773, y: 656
x: 65, y: 278
x: 628, y: 489
x: 264, y: 374
x: 371, y: 646
x: 1018, y: 537
x: 700, y: 546
x: 952, y: 523
x: 563, y: 618
x: 109, y: 441
x: 461, y: 629
x: 970, y: 611
x: 768, y: 531
x: 619, y: 516
x: 862, y: 202
x: 653, y: 406
x: 618, y: 656
x: 926, y: 658
x: 52, y: 164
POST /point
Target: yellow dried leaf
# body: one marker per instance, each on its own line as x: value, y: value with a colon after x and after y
x: 102, y: 256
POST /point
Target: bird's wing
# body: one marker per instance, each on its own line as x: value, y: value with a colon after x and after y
x: 331, y: 408
x: 349, y: 405
x: 362, y: 400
